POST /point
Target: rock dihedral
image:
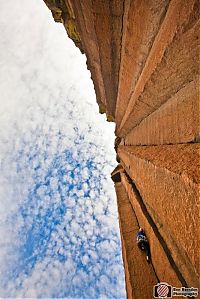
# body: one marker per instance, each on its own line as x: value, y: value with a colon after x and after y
x: 144, y: 62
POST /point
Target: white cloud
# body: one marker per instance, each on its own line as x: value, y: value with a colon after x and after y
x: 59, y: 235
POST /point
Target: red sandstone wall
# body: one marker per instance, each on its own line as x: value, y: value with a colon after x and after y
x: 100, y: 26
x: 171, y: 196
x: 171, y: 63
x: 176, y: 121
x: 138, y: 285
x: 163, y: 269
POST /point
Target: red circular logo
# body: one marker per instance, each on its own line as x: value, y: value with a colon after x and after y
x: 162, y: 290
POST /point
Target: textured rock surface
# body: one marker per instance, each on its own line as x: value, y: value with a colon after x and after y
x: 141, y: 24
x: 168, y: 181
x: 144, y: 62
x: 176, y: 121
x: 138, y: 284
x: 100, y: 26
x: 161, y: 263
x: 171, y: 64
x: 85, y: 23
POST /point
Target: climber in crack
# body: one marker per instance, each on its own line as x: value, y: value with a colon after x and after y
x: 143, y: 243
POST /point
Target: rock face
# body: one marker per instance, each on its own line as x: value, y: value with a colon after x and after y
x: 144, y: 62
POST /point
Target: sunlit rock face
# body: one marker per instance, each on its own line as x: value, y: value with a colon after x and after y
x: 143, y: 57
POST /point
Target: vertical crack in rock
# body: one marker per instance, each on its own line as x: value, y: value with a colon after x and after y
x: 157, y: 233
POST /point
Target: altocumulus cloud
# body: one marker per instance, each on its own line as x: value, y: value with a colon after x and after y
x: 59, y: 234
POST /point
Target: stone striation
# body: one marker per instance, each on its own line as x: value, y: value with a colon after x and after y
x: 176, y: 121
x: 165, y: 270
x: 172, y: 190
x: 137, y: 284
x: 144, y: 63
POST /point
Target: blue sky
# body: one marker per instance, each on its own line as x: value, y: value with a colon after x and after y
x: 59, y: 231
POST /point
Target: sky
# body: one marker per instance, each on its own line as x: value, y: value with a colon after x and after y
x: 59, y: 231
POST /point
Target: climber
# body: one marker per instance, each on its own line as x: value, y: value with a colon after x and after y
x: 143, y: 243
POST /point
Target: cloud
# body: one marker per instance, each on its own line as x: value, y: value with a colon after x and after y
x: 59, y: 234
